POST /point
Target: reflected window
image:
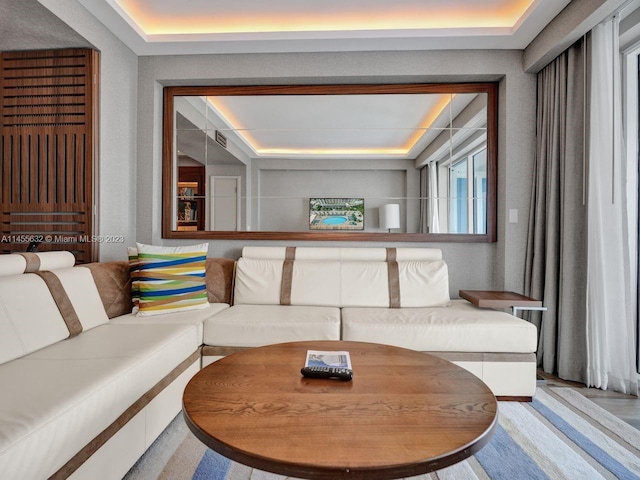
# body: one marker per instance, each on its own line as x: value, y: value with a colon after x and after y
x: 458, y: 188
x: 468, y: 194
x: 480, y: 191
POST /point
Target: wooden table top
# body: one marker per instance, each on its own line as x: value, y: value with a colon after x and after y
x: 404, y: 413
x: 498, y: 299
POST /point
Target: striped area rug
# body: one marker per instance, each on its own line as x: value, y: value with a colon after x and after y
x: 560, y: 435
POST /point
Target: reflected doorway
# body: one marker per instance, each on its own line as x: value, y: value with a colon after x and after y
x: 225, y: 203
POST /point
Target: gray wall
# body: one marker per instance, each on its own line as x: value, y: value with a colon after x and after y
x: 118, y: 122
x: 498, y: 265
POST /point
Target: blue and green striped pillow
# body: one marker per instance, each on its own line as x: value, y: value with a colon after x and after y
x: 171, y: 279
x: 132, y: 253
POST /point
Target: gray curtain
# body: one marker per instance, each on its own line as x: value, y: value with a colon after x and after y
x: 556, y: 249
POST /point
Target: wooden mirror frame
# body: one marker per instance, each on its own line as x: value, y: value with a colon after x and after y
x: 491, y: 89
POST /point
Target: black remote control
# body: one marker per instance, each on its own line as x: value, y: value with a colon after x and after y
x: 340, y: 373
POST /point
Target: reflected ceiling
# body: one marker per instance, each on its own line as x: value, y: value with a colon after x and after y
x: 362, y: 126
x: 378, y: 126
x: 209, y: 26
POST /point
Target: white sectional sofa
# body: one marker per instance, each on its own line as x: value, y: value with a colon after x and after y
x: 88, y: 386
x: 382, y: 295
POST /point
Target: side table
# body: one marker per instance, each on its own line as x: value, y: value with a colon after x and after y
x: 501, y: 299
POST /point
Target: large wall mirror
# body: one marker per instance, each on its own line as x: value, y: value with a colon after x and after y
x: 406, y: 162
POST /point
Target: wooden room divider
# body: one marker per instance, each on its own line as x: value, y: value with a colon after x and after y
x: 48, y: 151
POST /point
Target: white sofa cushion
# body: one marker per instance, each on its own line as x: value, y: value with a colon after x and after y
x: 193, y: 317
x: 81, y: 289
x: 316, y: 283
x: 257, y: 282
x: 461, y: 327
x: 423, y: 284
x: 257, y: 325
x: 340, y: 284
x: 29, y: 317
x: 63, y: 396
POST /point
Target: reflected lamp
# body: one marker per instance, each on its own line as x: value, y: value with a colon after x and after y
x: 390, y: 216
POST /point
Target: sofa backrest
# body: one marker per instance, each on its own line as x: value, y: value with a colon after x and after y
x: 29, y: 317
x: 44, y: 307
x: 342, y: 277
x: 84, y: 303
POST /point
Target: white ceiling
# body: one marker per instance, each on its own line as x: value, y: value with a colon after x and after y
x: 161, y: 27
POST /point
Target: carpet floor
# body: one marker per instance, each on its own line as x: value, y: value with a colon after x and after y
x: 560, y: 435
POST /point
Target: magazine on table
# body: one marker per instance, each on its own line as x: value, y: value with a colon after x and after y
x: 318, y: 358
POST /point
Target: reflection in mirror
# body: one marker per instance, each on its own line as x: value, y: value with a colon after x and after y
x: 297, y: 162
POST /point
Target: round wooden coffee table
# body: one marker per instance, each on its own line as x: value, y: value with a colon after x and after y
x: 404, y: 413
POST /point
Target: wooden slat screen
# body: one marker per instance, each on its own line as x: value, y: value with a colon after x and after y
x: 48, y: 113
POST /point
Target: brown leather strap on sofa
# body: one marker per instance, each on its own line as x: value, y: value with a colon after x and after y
x: 62, y: 301
x: 287, y: 276
x: 394, y: 278
x: 33, y: 262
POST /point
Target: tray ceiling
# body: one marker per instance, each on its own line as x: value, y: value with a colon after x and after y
x: 204, y: 26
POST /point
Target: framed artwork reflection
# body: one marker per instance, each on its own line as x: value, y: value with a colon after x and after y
x: 336, y: 214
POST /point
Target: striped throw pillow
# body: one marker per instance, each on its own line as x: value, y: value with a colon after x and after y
x: 171, y: 279
x: 132, y: 253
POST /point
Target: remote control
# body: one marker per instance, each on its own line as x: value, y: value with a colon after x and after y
x: 340, y: 373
